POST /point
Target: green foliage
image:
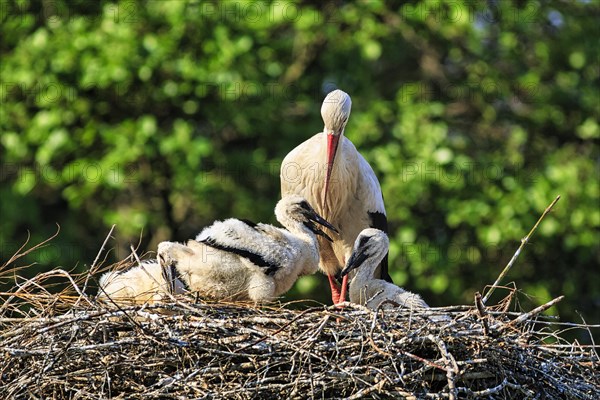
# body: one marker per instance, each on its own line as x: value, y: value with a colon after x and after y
x: 163, y: 116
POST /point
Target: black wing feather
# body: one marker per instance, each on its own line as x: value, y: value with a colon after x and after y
x: 254, y: 258
x: 251, y: 224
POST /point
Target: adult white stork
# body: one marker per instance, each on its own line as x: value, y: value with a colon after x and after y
x: 240, y: 260
x: 370, y: 248
x: 347, y: 195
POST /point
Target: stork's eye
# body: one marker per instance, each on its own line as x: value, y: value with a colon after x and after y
x: 304, y: 204
x: 363, y: 241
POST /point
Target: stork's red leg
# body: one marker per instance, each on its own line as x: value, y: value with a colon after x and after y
x: 342, y: 297
x: 335, y: 290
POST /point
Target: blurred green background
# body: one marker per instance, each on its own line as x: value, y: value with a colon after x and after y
x: 162, y: 116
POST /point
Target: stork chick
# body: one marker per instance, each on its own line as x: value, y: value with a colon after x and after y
x: 241, y: 260
x: 369, y: 249
x: 347, y: 194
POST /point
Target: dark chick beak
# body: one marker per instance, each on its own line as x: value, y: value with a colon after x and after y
x: 356, y: 260
x: 317, y: 231
x: 313, y: 216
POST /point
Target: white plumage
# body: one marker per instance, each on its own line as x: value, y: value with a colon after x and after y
x: 240, y: 260
x: 143, y: 283
x: 333, y: 176
x: 370, y: 247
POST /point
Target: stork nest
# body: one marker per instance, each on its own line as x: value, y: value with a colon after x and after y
x: 68, y: 345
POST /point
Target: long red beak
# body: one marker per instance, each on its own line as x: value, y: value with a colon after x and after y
x: 332, y: 145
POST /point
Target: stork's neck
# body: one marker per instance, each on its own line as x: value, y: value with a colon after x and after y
x: 366, y: 272
x: 309, y: 248
x: 360, y: 281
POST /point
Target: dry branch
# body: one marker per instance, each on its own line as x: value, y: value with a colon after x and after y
x: 524, y: 241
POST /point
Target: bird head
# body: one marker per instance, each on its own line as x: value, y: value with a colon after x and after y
x: 296, y: 208
x: 335, y: 112
x: 370, y: 244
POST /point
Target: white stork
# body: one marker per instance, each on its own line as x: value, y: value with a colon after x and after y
x: 370, y: 248
x: 240, y: 260
x: 348, y: 195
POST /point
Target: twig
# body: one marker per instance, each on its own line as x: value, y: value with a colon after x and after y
x: 277, y: 331
x: 591, y: 336
x: 451, y: 367
x: 362, y: 393
x: 528, y: 315
x: 482, y: 313
x: 18, y: 255
x: 495, y: 389
x: 92, y: 269
x: 112, y: 228
x: 524, y: 241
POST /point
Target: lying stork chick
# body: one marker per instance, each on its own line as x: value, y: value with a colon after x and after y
x: 144, y: 283
x: 369, y: 249
x: 240, y: 260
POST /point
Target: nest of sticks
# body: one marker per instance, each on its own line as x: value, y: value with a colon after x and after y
x: 68, y: 345
x: 58, y: 341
